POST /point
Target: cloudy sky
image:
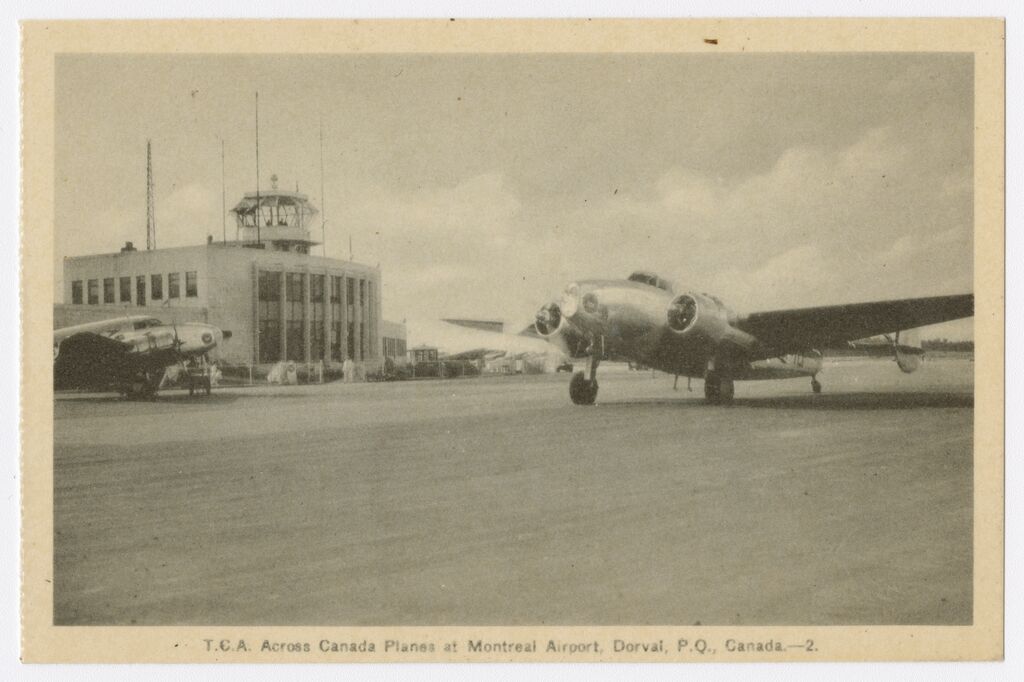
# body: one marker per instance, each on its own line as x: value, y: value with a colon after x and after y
x: 482, y: 184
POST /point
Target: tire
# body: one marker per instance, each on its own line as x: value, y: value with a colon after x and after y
x: 582, y: 391
x: 711, y: 388
x: 726, y: 391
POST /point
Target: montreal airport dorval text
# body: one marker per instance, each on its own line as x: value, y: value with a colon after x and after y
x: 279, y: 302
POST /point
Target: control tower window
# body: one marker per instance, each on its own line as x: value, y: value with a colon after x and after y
x: 173, y: 285
x: 191, y: 284
x: 140, y: 290
x: 156, y: 287
x: 108, y: 290
x: 94, y: 291
x: 125, y: 284
x: 76, y: 291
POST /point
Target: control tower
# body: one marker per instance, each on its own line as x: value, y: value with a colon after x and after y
x: 277, y: 219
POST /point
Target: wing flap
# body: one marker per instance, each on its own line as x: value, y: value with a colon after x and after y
x: 800, y: 329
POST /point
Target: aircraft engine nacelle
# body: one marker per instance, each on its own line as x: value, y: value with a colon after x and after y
x: 700, y: 315
x: 552, y: 325
x: 908, y: 351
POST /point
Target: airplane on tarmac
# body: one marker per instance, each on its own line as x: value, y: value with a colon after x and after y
x: 129, y: 354
x: 692, y: 334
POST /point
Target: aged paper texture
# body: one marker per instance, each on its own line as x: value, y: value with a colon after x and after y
x: 468, y: 169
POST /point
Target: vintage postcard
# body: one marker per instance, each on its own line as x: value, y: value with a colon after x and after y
x: 554, y: 340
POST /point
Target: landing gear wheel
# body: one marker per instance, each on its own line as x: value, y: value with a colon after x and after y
x: 207, y: 387
x: 142, y: 386
x: 815, y: 385
x: 711, y: 388
x: 582, y: 391
x: 726, y: 391
x: 718, y: 389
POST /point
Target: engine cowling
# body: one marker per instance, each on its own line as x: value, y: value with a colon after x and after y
x: 694, y: 314
x: 552, y: 324
x: 908, y: 351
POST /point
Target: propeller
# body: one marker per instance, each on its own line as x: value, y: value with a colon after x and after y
x: 682, y: 313
x: 548, y: 319
x: 178, y: 343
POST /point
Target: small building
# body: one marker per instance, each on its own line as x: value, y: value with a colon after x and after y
x: 423, y: 353
x: 393, y: 338
x: 278, y: 301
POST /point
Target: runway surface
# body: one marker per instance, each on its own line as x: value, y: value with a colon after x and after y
x: 495, y: 501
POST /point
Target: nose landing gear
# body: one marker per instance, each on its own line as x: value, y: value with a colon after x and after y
x: 815, y: 385
x: 582, y: 391
x: 583, y: 388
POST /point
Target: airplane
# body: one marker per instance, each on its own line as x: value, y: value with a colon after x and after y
x: 129, y: 354
x: 642, y: 319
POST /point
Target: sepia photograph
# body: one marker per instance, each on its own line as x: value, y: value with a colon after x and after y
x: 639, y: 347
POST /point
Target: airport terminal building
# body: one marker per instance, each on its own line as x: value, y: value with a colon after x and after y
x: 279, y: 302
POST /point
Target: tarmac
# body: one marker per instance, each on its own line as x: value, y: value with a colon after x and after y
x: 495, y: 501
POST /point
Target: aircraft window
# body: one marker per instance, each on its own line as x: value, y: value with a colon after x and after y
x: 145, y: 324
x: 651, y: 280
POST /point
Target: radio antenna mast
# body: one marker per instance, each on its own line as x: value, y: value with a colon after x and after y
x: 259, y: 212
x: 223, y: 198
x: 323, y: 199
x: 150, y: 201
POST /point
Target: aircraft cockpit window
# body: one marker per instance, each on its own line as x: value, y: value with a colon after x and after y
x: 651, y: 279
x: 145, y: 324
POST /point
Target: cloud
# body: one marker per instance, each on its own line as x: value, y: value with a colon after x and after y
x: 187, y: 214
x: 820, y: 225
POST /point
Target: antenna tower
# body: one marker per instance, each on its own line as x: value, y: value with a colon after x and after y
x: 323, y: 199
x: 150, y: 202
x: 259, y: 209
x: 223, y: 197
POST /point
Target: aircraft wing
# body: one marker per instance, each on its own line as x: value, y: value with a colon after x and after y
x: 783, y: 331
x: 88, y: 359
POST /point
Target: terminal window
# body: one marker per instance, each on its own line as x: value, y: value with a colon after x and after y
x: 336, y: 340
x: 316, y: 317
x: 270, y: 316
x: 76, y: 291
x: 94, y: 291
x: 191, y: 284
x: 173, y: 285
x: 126, y: 289
x: 108, y: 290
x: 140, y: 290
x: 295, y: 316
x: 156, y: 287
